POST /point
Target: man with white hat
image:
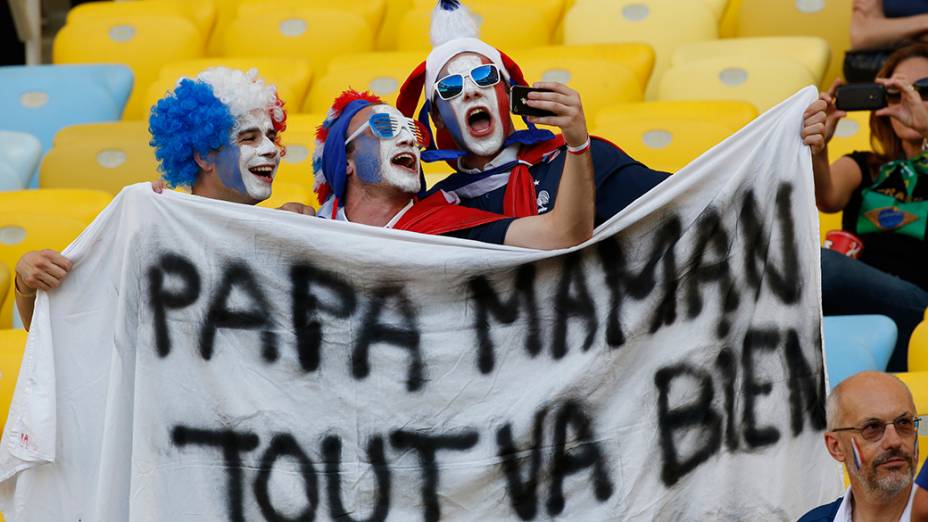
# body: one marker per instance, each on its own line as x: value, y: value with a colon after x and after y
x: 515, y: 172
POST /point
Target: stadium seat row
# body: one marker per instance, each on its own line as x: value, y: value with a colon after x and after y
x: 148, y: 34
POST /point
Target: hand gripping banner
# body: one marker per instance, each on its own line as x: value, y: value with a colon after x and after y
x: 213, y: 361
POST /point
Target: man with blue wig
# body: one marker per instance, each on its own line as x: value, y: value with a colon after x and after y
x: 367, y: 171
x: 217, y: 134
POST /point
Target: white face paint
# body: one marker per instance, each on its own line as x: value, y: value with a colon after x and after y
x: 473, y: 118
x: 394, y: 162
x: 253, y: 171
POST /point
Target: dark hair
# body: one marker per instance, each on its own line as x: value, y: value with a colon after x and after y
x: 883, y: 139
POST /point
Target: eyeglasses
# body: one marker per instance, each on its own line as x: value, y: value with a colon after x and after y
x: 387, y: 126
x: 451, y: 86
x: 872, y: 430
x: 920, y: 85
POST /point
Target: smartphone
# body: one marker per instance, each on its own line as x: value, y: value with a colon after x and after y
x: 518, y: 95
x: 860, y: 97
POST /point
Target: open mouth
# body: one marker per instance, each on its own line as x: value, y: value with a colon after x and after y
x: 479, y: 122
x: 263, y: 172
x: 405, y: 160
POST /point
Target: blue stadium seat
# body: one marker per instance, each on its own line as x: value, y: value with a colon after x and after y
x: 855, y: 343
x: 41, y: 99
x: 19, y: 157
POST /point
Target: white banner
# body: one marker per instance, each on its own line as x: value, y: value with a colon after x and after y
x: 213, y: 361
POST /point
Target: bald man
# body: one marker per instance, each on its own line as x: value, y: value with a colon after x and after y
x: 873, y: 430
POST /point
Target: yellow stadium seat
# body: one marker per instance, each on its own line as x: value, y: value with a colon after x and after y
x: 380, y: 73
x: 202, y: 12
x: 764, y: 83
x: 291, y: 76
x: 296, y: 167
x: 600, y: 83
x: 810, y: 51
x: 852, y: 133
x: 551, y: 9
x: 289, y: 193
x: 496, y: 27
x: 38, y: 219
x: 828, y: 19
x: 229, y: 10
x: 6, y: 282
x: 718, y: 7
x: 669, y: 135
x: 917, y: 381
x: 663, y: 24
x: 12, y: 346
x: 100, y: 156
x: 918, y: 348
x: 637, y: 57
x: 827, y: 223
x: 389, y: 29
x: 144, y: 43
x: 728, y: 25
x: 298, y: 32
x: 731, y: 114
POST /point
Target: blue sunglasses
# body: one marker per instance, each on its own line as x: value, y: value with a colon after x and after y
x: 451, y: 86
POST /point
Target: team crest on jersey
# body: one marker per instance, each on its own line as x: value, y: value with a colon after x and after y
x: 890, y: 218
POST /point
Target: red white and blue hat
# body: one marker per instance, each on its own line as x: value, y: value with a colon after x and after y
x: 453, y: 31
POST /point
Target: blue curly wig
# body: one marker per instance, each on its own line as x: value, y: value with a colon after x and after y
x: 190, y: 120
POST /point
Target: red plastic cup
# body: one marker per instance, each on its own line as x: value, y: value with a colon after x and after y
x: 844, y: 242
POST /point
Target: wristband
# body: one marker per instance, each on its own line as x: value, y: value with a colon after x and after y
x: 581, y: 149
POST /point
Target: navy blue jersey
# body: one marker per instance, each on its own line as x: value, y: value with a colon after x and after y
x: 619, y: 181
x: 494, y: 232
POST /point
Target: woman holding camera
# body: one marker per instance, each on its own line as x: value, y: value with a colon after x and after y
x: 883, y: 195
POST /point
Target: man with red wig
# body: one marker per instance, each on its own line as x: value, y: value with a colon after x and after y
x: 367, y: 171
x: 466, y: 84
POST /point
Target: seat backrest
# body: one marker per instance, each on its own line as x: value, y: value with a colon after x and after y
x: 202, y: 12
x: 12, y: 346
x: 19, y: 157
x: 316, y: 35
x: 380, y: 73
x: 289, y: 193
x: 6, y: 282
x: 496, y: 23
x: 372, y: 11
x: 918, y: 348
x: 669, y: 135
x: 763, y: 83
x: 663, y: 24
x: 810, y: 51
x: 41, y: 99
x: 851, y: 134
x: 637, y: 57
x: 296, y: 167
x: 600, y: 83
x: 21, y: 232
x: 291, y: 76
x: 828, y: 19
x: 142, y: 42
x: 100, y: 156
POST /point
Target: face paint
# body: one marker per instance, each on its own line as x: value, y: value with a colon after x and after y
x: 856, y: 451
x: 394, y: 162
x: 248, y: 165
x: 478, y: 118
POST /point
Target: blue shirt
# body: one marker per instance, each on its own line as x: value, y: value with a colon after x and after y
x: 619, y: 181
x: 902, y: 8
